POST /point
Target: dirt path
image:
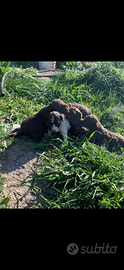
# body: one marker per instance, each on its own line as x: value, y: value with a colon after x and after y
x: 47, y: 75
x: 16, y: 165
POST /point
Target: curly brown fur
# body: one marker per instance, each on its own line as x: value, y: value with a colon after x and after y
x: 59, y: 105
x: 92, y: 122
x: 78, y: 131
x: 72, y: 113
x: 84, y: 110
x: 70, y: 109
x: 34, y: 126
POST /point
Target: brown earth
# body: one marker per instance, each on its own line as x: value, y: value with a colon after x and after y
x: 17, y: 164
x: 47, y: 75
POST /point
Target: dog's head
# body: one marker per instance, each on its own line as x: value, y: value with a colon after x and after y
x: 53, y: 120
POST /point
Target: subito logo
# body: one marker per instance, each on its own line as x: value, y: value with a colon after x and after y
x: 72, y: 249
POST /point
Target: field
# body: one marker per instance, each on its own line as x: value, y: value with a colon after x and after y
x: 83, y: 174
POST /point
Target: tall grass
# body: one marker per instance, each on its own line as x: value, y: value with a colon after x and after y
x: 82, y: 174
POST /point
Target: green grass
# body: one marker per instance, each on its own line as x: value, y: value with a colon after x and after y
x: 82, y: 174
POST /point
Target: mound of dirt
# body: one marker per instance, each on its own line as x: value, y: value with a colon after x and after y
x: 16, y: 165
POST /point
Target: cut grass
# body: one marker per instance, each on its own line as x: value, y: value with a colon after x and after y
x: 82, y: 174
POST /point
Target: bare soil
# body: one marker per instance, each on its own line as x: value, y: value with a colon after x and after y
x: 47, y: 75
x: 17, y: 164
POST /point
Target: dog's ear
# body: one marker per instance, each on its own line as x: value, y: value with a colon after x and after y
x: 62, y: 117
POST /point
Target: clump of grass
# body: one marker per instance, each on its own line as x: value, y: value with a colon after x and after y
x: 104, y: 76
x: 21, y: 82
x: 83, y: 175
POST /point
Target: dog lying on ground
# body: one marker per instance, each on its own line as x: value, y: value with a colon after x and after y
x: 73, y: 112
x: 35, y: 125
x: 56, y: 122
x: 102, y: 134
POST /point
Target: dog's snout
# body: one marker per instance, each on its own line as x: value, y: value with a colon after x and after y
x: 54, y: 128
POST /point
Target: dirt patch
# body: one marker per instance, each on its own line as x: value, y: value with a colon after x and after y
x: 17, y: 164
x: 47, y: 75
